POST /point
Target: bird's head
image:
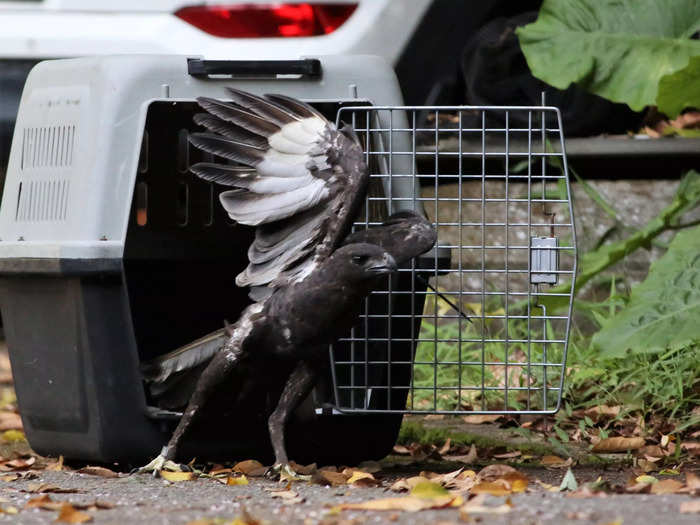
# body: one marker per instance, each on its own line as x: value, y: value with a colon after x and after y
x: 361, y: 261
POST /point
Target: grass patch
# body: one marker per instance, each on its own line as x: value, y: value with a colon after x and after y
x: 417, y: 432
x: 505, y: 382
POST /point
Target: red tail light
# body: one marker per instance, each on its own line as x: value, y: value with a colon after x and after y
x: 267, y: 20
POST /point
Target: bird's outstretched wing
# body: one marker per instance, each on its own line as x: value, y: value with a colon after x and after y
x: 291, y: 174
x: 296, y: 177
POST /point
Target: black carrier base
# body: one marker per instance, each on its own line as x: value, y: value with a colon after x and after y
x: 75, y: 366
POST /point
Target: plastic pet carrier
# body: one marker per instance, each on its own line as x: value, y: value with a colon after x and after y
x: 112, y: 253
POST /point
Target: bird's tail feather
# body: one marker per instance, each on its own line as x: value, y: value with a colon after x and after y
x: 186, y: 357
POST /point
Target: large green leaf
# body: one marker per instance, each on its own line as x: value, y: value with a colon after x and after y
x: 664, y: 310
x: 618, y: 49
x: 680, y: 90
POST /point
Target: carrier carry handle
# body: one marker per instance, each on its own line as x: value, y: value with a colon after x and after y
x: 308, y: 67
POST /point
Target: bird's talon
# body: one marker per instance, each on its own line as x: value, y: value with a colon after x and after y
x: 284, y: 472
x: 157, y: 465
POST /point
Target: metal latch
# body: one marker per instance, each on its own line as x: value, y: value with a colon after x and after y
x: 544, y: 260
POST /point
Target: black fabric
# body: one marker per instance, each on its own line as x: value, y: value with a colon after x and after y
x: 496, y: 73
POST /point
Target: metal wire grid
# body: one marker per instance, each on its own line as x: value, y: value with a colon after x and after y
x: 480, y: 324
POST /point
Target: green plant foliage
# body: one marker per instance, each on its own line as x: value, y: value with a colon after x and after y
x: 664, y: 310
x: 680, y: 90
x: 618, y: 49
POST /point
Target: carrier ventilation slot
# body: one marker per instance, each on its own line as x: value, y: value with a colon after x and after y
x: 48, y: 147
x: 42, y: 200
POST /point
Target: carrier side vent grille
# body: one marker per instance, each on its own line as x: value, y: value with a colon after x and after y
x: 42, y: 200
x: 48, y: 147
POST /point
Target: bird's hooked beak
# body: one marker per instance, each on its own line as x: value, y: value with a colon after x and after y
x: 386, y: 265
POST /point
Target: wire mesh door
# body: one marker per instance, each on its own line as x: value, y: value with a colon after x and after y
x: 481, y: 322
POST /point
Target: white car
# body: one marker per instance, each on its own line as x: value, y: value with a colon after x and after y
x: 248, y: 29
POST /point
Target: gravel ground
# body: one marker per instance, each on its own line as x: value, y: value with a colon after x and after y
x: 142, y: 499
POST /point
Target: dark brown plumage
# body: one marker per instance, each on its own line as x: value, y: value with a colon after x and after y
x: 302, y: 184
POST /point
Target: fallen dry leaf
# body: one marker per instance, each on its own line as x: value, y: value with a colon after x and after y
x: 43, y: 502
x: 568, y: 482
x: 493, y: 488
x: 428, y: 490
x: 331, y: 477
x: 555, y: 462
x: 42, y: 488
x: 98, y: 471
x: 10, y: 477
x: 647, y: 465
x: 177, y: 476
x: 690, y: 507
x: 250, y: 467
x: 25, y: 475
x: 467, y: 459
x: 478, y: 419
x: 220, y: 471
x: 494, y: 472
x: 421, y: 452
x: 406, y: 484
x: 666, y: 486
x: 645, y: 479
x: 463, y: 483
x: 445, y: 479
x: 638, y: 488
x: 358, y: 475
x: 288, y: 497
x: 501, y: 487
x: 692, y: 481
x: 364, y: 481
x: 547, y: 486
x: 618, y: 444
x: 407, y: 503
x: 598, y: 412
x: 508, y: 455
x: 57, y: 465
x: 17, y: 464
x: 499, y: 480
x: 304, y: 470
x: 445, y: 448
x: 401, y: 450
x: 237, y: 480
x: 651, y: 451
x: 69, y: 514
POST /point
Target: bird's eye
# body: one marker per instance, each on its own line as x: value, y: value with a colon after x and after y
x: 360, y: 259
